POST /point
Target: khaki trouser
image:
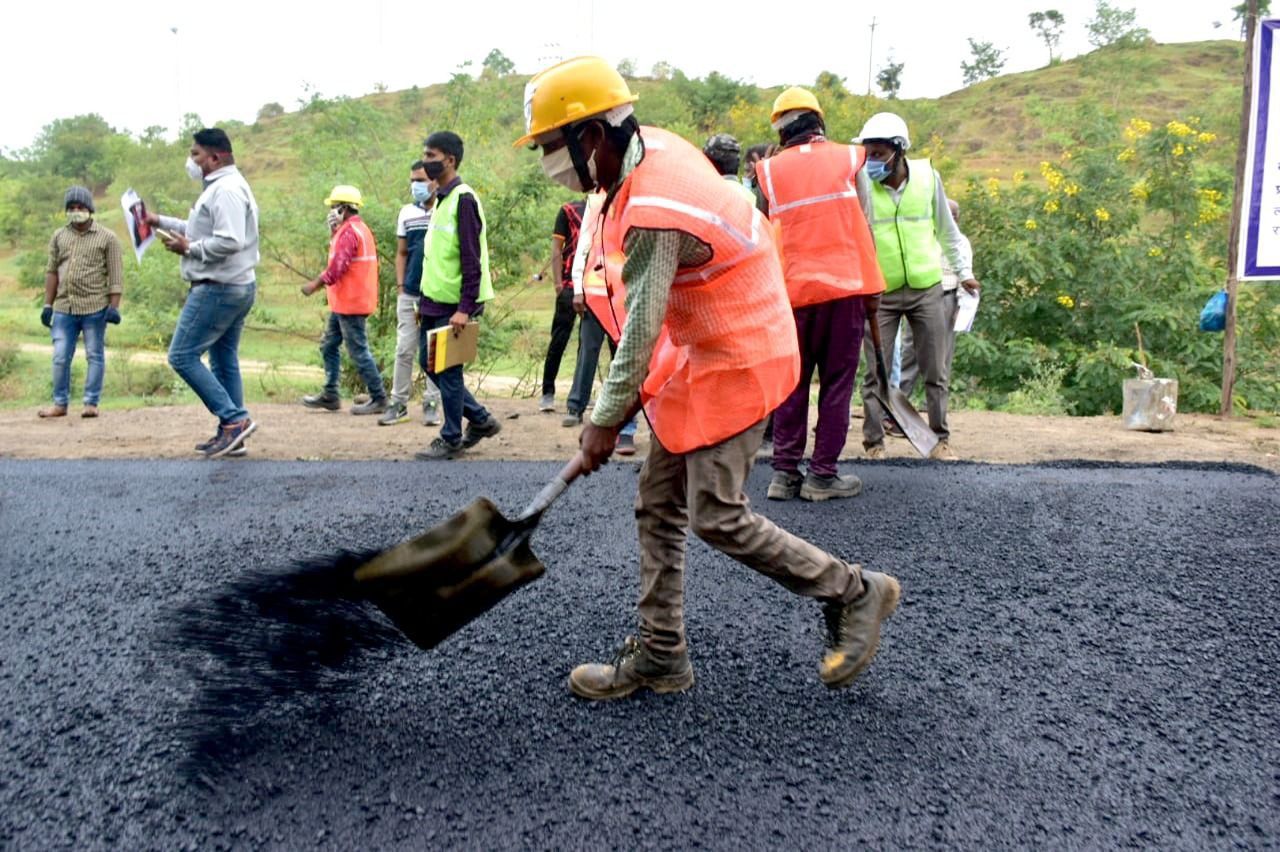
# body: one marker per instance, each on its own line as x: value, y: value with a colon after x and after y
x: 406, y: 352
x: 702, y: 491
x: 926, y: 314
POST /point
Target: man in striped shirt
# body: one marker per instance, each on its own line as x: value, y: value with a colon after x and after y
x: 82, y: 285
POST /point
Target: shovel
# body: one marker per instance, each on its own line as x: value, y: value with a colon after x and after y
x: 898, y: 407
x: 434, y: 584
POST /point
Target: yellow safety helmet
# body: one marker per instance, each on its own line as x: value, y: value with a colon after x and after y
x: 345, y: 194
x: 792, y: 99
x: 570, y: 92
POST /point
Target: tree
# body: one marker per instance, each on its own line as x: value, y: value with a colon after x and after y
x: 496, y: 64
x: 627, y: 68
x: 1114, y: 26
x: 987, y: 62
x: 191, y: 122
x: 82, y: 148
x: 831, y: 82
x: 711, y: 98
x: 271, y: 110
x: 890, y: 79
x: 661, y: 70
x: 1048, y: 25
x: 1238, y: 14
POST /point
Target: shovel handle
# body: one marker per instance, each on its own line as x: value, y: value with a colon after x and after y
x: 554, y: 488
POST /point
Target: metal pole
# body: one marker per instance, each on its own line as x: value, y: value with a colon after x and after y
x: 1233, y: 250
x: 871, y: 54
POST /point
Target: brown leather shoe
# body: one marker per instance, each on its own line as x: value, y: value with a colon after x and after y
x: 53, y: 411
x: 633, y: 667
x: 854, y: 628
x: 89, y: 411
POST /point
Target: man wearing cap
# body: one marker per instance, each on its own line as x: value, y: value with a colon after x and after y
x: 702, y: 281
x: 351, y: 287
x: 82, y: 285
x: 218, y: 242
x: 725, y: 153
x: 906, y: 205
x: 828, y: 260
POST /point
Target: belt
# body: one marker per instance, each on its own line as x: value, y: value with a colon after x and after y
x: 200, y: 282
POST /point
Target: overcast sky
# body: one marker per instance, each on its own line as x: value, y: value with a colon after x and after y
x: 228, y: 58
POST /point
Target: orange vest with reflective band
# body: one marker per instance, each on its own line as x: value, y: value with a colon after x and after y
x: 728, y: 356
x: 826, y: 245
x: 356, y: 292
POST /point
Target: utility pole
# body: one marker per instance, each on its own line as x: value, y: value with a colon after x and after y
x: 1233, y: 249
x: 871, y: 53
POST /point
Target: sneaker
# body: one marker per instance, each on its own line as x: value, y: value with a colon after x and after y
x: 548, y: 402
x: 815, y: 488
x: 230, y: 437
x: 784, y: 485
x: 327, y: 401
x: 875, y: 451
x: 377, y: 405
x: 626, y: 445
x: 53, y: 411
x: 89, y: 410
x: 431, y: 412
x: 570, y: 420
x: 238, y: 453
x: 476, y: 432
x: 891, y: 429
x: 943, y: 452
x: 397, y: 412
x: 765, y: 451
x: 439, y: 450
x: 203, y: 446
x: 853, y: 629
x: 633, y: 667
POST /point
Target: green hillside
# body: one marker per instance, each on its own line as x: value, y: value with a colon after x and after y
x: 1063, y: 191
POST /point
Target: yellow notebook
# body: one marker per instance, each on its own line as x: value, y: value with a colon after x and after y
x: 448, y: 348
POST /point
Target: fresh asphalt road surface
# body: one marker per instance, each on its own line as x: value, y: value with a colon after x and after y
x: 1085, y: 656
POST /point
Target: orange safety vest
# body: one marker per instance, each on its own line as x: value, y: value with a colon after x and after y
x: 729, y: 354
x: 826, y: 245
x: 356, y: 292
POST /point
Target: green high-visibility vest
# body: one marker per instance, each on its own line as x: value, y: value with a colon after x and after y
x: 441, y: 265
x: 906, y: 243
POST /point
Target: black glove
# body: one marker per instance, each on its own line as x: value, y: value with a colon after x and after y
x: 113, y: 315
x: 46, y: 316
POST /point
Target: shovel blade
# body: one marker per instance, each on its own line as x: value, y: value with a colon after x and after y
x: 434, y: 584
x: 915, y: 427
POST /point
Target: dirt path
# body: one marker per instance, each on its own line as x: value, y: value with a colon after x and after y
x: 289, y: 432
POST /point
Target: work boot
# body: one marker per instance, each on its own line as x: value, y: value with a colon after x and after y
x: 874, y: 451
x: 377, y: 405
x: 548, y: 402
x: 326, y: 401
x: 89, y: 410
x: 571, y: 419
x: 784, y: 485
x: 53, y: 411
x: 476, y: 432
x: 818, y: 488
x: 853, y: 629
x: 440, y: 450
x: 891, y: 429
x: 431, y: 412
x: 943, y: 452
x: 397, y: 412
x: 633, y: 667
x: 626, y: 446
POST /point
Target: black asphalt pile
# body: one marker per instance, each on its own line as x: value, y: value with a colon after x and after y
x: 1086, y: 656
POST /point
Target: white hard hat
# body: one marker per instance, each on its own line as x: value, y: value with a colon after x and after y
x: 885, y: 125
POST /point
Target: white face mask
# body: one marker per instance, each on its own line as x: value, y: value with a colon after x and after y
x: 193, y: 171
x: 558, y: 166
x: 334, y: 219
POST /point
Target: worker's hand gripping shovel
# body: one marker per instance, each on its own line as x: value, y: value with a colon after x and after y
x: 434, y: 584
x: 897, y: 407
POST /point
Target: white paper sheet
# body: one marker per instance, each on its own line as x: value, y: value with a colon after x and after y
x: 966, y: 309
x: 135, y: 220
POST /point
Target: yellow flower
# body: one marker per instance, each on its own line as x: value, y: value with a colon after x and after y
x: 1177, y: 128
x: 1126, y: 155
x: 1102, y: 215
x: 1155, y: 251
x: 1030, y: 224
x: 1052, y: 176
x: 1072, y: 189
x: 1066, y: 302
x: 993, y: 187
x: 1137, y: 129
x: 1179, y: 150
x: 1019, y: 176
x: 1051, y: 206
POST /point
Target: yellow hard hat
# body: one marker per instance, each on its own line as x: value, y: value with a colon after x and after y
x: 795, y: 98
x: 569, y: 92
x: 345, y: 194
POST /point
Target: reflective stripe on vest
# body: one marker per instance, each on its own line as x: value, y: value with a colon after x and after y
x: 906, y: 240
x: 825, y: 244
x: 727, y: 355
x: 355, y: 293
x: 441, y: 252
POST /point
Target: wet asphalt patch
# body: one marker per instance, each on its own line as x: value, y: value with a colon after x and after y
x: 1085, y: 656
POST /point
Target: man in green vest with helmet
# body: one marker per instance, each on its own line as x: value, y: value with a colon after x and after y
x: 912, y: 225
x: 455, y: 287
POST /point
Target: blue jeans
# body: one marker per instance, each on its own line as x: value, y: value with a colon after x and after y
x: 65, y: 330
x: 353, y: 330
x: 456, y: 402
x: 211, y: 321
x: 591, y: 336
